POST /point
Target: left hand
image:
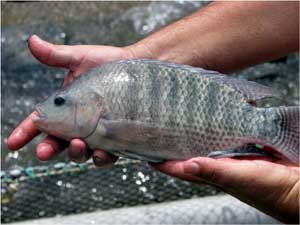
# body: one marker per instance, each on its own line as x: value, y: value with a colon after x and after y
x: 78, y: 59
x: 270, y: 186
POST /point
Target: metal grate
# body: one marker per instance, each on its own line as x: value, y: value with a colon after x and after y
x: 70, y: 188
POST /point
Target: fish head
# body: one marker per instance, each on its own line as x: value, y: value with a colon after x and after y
x: 70, y: 113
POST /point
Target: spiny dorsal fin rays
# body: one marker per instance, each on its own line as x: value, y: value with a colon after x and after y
x: 250, y: 90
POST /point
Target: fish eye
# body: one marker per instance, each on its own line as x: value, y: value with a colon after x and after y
x: 59, y: 101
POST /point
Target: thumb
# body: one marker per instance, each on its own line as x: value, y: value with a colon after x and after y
x: 227, y: 173
x: 270, y: 187
x: 54, y: 55
x: 242, y: 176
x: 224, y: 172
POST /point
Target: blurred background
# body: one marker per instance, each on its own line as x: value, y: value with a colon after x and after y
x: 33, y: 189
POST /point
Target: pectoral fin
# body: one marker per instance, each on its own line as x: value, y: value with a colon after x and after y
x: 134, y: 137
x: 133, y: 132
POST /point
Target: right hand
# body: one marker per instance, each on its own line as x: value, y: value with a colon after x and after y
x: 270, y: 185
x: 78, y: 59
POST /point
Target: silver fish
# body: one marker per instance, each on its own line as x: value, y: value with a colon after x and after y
x: 156, y: 110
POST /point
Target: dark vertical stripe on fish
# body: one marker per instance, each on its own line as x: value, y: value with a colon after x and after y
x: 173, y: 99
x: 133, y: 90
x: 282, y: 127
x: 155, y: 87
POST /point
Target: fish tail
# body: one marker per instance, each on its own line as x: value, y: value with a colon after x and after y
x: 286, y: 135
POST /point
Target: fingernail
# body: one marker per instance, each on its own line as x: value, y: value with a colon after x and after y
x: 44, y: 151
x: 37, y: 38
x: 76, y: 154
x: 191, y: 168
x: 97, y: 160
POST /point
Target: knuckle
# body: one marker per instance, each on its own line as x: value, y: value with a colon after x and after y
x: 211, y: 176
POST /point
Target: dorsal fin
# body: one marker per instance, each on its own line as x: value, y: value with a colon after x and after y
x: 252, y: 91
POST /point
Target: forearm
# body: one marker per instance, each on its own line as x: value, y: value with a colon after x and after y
x: 278, y: 199
x: 226, y: 36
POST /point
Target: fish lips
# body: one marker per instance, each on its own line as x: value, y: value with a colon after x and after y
x: 40, y: 116
x: 42, y: 123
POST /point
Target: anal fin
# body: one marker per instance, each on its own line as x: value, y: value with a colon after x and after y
x: 247, y: 150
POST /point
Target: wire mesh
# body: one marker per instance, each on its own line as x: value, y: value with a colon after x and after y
x: 70, y: 188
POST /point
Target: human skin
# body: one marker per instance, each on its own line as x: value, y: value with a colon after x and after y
x: 225, y: 36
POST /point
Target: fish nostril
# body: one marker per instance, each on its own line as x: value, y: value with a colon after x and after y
x: 59, y: 101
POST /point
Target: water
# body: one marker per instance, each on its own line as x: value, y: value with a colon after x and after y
x: 26, y: 82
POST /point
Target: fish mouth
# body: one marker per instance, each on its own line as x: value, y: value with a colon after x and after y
x: 40, y: 116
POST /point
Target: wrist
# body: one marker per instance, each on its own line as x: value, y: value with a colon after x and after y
x: 288, y: 206
x: 139, y: 50
x: 150, y: 49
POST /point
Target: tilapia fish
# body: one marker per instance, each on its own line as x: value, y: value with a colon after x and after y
x: 156, y: 110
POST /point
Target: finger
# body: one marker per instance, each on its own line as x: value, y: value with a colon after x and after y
x: 50, y: 147
x: 54, y: 55
x: 102, y: 158
x: 236, y: 175
x: 175, y: 168
x: 68, y: 79
x: 93, y: 55
x: 78, y: 151
x: 89, y: 56
x: 23, y: 134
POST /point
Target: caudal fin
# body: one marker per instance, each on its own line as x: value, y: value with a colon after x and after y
x: 287, y: 138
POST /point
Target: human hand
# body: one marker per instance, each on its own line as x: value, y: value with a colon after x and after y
x: 270, y: 186
x: 77, y: 59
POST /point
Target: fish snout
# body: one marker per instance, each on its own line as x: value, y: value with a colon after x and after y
x: 40, y: 114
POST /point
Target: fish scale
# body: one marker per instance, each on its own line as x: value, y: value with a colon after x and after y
x: 158, y: 110
x: 174, y: 124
